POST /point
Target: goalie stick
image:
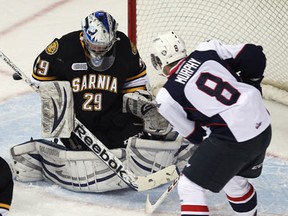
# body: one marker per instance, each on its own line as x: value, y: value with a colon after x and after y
x: 138, y: 183
x: 150, y: 208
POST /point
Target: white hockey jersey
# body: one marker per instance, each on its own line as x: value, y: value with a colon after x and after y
x: 204, y: 90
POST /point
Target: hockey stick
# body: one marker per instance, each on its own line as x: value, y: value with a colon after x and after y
x: 138, y: 183
x: 150, y: 208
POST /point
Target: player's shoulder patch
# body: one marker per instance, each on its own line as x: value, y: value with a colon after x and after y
x: 133, y: 48
x: 52, y: 48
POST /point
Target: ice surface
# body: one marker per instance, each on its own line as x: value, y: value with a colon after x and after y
x: 26, y: 27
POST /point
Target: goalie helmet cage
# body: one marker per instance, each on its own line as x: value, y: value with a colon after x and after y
x: 262, y: 22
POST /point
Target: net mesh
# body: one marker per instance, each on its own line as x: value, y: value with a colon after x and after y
x: 262, y: 22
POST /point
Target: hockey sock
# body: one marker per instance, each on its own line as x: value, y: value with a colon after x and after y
x: 244, y: 205
x: 192, y: 198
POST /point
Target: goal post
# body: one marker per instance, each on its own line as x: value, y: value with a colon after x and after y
x: 132, y: 21
x: 262, y: 22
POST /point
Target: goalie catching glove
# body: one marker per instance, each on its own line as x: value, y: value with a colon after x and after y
x: 141, y: 104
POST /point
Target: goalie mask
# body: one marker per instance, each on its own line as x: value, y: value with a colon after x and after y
x: 168, y: 48
x: 99, y: 35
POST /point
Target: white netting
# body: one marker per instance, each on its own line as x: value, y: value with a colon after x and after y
x: 261, y: 22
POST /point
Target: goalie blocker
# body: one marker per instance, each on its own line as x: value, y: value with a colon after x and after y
x: 83, y: 171
x: 57, y: 113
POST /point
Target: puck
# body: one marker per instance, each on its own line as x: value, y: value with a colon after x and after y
x: 16, y: 76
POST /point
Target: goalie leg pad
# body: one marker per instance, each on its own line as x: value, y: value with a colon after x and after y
x: 148, y: 156
x: 26, y: 165
x: 80, y: 171
x: 82, y: 175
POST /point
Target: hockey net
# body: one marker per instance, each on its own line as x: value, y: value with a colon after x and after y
x: 231, y: 21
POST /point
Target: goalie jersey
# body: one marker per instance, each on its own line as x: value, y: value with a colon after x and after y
x: 97, y: 94
x: 204, y: 91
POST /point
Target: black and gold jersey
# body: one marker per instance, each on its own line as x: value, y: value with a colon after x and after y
x: 97, y: 94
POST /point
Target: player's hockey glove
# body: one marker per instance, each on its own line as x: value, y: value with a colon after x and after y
x: 250, y: 63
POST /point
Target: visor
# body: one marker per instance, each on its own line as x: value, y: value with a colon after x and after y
x: 103, y: 62
x: 156, y: 62
x: 99, y: 49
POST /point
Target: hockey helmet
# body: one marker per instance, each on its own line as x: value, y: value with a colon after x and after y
x: 168, y: 48
x: 99, y: 35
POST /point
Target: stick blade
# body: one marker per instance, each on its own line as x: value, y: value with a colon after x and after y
x: 158, y: 178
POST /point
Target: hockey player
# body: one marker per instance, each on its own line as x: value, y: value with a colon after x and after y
x: 108, y: 81
x: 215, y: 87
x: 6, y: 187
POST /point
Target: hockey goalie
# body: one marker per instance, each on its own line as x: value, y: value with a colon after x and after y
x: 78, y: 169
